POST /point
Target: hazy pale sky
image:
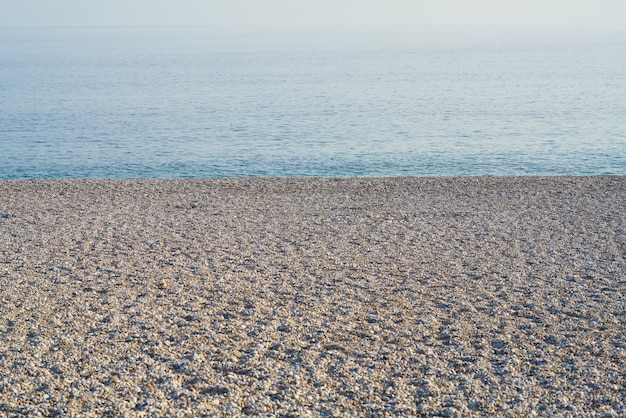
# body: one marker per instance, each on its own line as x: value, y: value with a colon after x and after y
x: 309, y: 12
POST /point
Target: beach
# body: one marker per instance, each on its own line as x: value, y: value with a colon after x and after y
x: 331, y: 297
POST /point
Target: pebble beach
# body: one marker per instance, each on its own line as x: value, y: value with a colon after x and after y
x: 320, y: 297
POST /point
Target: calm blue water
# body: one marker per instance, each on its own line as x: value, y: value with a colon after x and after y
x: 377, y: 101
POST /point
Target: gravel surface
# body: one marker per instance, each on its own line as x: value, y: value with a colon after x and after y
x: 473, y: 296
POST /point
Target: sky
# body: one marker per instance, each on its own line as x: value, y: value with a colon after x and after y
x: 607, y: 13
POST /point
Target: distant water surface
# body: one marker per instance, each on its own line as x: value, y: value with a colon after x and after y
x: 323, y: 101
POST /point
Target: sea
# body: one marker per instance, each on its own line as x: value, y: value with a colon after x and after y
x: 331, y: 101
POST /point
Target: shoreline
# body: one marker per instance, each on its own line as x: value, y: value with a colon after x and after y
x: 454, y: 296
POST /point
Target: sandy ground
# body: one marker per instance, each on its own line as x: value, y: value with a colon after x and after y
x: 477, y: 296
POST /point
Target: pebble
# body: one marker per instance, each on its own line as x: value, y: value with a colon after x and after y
x: 313, y: 297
